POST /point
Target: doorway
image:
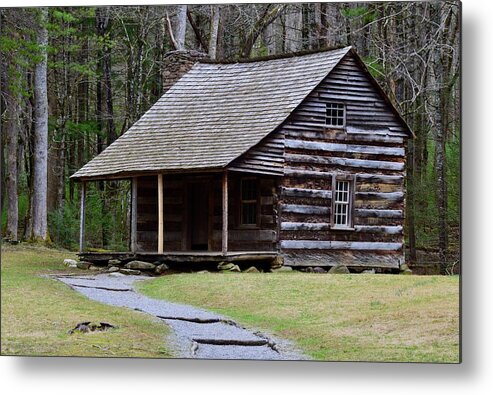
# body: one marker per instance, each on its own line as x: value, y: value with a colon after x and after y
x: 198, y: 215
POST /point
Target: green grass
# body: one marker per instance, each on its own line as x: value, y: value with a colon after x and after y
x: 330, y: 317
x: 37, y: 313
x: 334, y: 317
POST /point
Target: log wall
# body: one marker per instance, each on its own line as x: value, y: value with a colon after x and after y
x: 262, y: 237
x: 371, y: 148
x: 267, y: 157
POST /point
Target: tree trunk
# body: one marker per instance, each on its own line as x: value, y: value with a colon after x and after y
x: 294, y: 28
x: 181, y: 27
x: 410, y: 203
x: 271, y: 37
x: 269, y: 14
x: 440, y: 168
x: 215, y: 15
x: 102, y: 21
x: 40, y: 170
x: 332, y: 27
x: 200, y: 41
x: 111, y: 136
x: 12, y: 126
x: 110, y: 187
x: 29, y: 160
x: 74, y: 162
x: 3, y: 79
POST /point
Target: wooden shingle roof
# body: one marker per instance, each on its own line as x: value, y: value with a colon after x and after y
x: 212, y: 115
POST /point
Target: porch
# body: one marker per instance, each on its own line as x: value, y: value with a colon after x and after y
x: 197, y: 218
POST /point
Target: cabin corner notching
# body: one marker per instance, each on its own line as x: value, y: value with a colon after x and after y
x: 302, y: 157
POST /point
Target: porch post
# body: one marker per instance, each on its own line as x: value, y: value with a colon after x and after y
x: 225, y: 213
x: 160, y: 232
x: 82, y: 238
x: 133, y: 221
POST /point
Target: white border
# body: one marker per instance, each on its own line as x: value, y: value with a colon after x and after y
x: 130, y: 376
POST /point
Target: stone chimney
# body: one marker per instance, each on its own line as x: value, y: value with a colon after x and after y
x: 177, y: 63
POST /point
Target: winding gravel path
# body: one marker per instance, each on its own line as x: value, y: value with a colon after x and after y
x: 197, y: 333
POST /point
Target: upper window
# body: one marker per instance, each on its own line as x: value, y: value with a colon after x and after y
x: 342, y: 203
x: 249, y: 197
x: 335, y: 115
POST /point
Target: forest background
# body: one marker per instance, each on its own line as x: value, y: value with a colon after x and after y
x: 73, y: 79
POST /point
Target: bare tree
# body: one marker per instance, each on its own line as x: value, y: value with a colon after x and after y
x: 181, y: 27
x: 102, y: 22
x: 293, y: 41
x: 215, y: 16
x: 177, y: 30
x: 12, y: 109
x: 40, y: 170
x: 269, y: 13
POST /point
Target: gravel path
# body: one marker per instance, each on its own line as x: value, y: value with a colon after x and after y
x: 197, y: 333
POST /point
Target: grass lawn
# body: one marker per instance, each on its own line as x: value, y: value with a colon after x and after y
x: 350, y: 317
x: 37, y: 313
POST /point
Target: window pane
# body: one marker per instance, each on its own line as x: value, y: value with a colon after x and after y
x: 334, y: 114
x: 249, y: 189
x: 249, y: 213
x: 341, y: 203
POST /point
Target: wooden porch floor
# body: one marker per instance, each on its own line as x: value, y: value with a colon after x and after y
x: 180, y: 256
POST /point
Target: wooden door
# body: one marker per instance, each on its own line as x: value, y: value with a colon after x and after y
x: 198, y: 215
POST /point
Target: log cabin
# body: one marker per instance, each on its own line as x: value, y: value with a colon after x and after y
x: 298, y: 158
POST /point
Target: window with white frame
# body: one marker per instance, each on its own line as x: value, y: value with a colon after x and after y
x: 335, y: 115
x: 342, y: 203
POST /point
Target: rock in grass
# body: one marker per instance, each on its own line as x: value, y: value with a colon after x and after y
x: 115, y: 262
x: 95, y: 268
x: 320, y: 270
x: 339, y: 269
x: 251, y: 269
x: 130, y: 272
x: 85, y: 327
x: 113, y: 269
x: 160, y: 269
x: 277, y: 262
x: 368, y: 271
x: 70, y: 262
x: 283, y: 269
x: 83, y: 265
x: 140, y: 265
x: 225, y: 266
x: 203, y: 272
x: 117, y: 274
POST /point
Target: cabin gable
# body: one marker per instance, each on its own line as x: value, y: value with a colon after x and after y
x: 365, y: 155
x: 367, y: 110
x: 368, y: 117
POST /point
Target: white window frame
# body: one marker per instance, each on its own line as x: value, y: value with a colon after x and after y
x: 335, y: 106
x: 347, y: 204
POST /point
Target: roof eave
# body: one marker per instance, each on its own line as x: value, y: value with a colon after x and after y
x: 123, y: 175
